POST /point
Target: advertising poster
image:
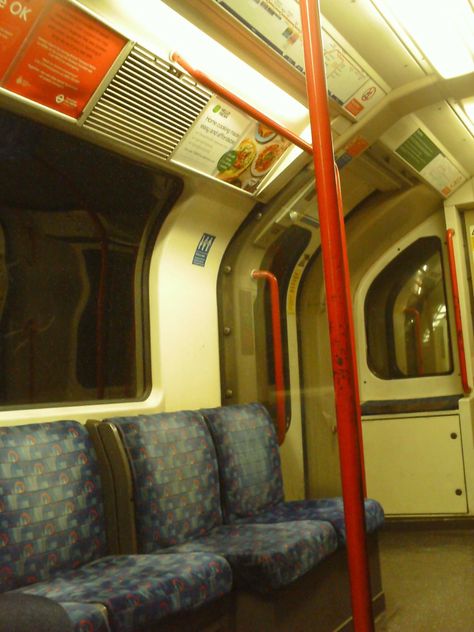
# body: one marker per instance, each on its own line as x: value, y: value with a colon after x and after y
x: 420, y: 152
x: 16, y: 21
x: 67, y: 55
x: 232, y: 147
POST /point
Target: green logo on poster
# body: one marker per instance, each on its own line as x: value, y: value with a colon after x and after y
x: 226, y: 160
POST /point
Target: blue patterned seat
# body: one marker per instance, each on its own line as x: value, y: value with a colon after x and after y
x: 87, y: 617
x: 139, y: 589
x: 177, y: 501
x: 266, y: 557
x: 52, y: 538
x: 250, y: 474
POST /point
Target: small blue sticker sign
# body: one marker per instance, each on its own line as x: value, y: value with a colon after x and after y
x: 202, y: 250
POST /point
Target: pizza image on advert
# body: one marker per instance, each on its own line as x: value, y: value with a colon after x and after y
x: 266, y: 159
x: 264, y: 134
x: 237, y: 160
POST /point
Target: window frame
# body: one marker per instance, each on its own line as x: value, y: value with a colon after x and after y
x: 375, y: 388
x: 393, y: 371
x: 141, y: 306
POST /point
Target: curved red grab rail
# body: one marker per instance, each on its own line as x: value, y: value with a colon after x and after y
x: 240, y: 103
x: 277, y: 350
x: 457, y: 312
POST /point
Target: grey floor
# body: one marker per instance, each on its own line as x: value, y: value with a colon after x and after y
x: 428, y: 578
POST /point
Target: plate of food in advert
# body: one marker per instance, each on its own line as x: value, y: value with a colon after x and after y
x: 236, y: 161
x: 265, y: 159
x: 264, y: 134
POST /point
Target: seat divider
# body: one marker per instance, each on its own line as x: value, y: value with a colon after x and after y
x: 108, y: 492
x: 123, y: 487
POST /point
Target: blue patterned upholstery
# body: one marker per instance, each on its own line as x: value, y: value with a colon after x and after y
x: 176, y: 485
x: 249, y: 459
x: 330, y: 509
x: 87, y: 617
x: 175, y: 477
x: 140, y: 589
x: 51, y: 515
x: 249, y: 468
x: 52, y: 538
x: 266, y: 557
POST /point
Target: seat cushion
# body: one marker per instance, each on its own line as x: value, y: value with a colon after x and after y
x: 250, y: 472
x: 87, y: 617
x: 175, y: 477
x: 265, y: 557
x: 249, y: 458
x: 330, y: 509
x: 51, y: 515
x: 139, y: 590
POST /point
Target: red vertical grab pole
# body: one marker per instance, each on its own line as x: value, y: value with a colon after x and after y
x: 351, y: 326
x: 339, y: 316
x: 277, y: 350
x: 457, y: 312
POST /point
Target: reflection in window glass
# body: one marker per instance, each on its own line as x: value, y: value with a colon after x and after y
x: 77, y: 224
x: 406, y: 316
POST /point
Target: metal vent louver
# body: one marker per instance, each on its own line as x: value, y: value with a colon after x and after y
x: 147, y: 105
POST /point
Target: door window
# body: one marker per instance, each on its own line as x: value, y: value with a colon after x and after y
x: 406, y: 315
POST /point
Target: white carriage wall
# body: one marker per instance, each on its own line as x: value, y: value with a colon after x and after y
x: 183, y: 307
x: 185, y: 333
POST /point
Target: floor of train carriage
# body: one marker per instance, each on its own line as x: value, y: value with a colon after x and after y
x: 428, y: 578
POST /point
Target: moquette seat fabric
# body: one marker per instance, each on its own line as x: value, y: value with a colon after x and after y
x: 177, y: 491
x: 53, y: 539
x: 251, y: 479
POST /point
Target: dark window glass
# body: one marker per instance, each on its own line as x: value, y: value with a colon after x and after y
x: 406, y: 315
x: 77, y: 225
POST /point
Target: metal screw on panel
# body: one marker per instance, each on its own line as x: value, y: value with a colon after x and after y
x: 227, y: 331
x: 258, y: 216
x: 227, y: 269
x: 229, y: 392
x: 459, y: 492
x: 454, y: 435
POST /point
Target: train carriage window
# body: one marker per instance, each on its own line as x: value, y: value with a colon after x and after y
x: 406, y: 315
x: 77, y: 227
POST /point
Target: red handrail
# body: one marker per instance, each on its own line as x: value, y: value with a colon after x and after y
x: 243, y: 105
x: 351, y: 327
x: 457, y: 312
x: 339, y: 316
x: 277, y: 350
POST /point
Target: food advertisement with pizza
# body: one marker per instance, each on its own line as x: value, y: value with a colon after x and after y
x: 230, y: 146
x: 252, y: 158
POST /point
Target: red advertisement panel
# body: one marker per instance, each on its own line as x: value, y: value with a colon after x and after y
x: 16, y: 21
x: 68, y: 56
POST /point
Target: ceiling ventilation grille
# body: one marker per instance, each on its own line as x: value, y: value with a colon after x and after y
x: 148, y: 105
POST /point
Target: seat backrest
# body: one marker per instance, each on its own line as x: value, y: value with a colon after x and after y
x: 248, y: 457
x: 175, y: 479
x: 51, y: 510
